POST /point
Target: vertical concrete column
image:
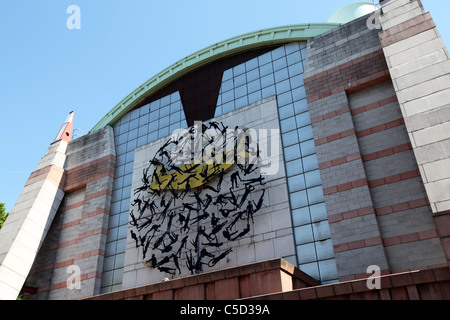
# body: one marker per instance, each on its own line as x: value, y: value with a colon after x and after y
x: 419, y: 64
x: 28, y: 223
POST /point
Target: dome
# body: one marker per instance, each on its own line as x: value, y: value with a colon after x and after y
x: 352, y: 12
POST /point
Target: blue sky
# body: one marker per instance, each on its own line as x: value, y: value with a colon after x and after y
x: 47, y: 70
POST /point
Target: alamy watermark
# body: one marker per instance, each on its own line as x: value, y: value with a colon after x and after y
x: 73, y: 22
x: 374, y: 281
x: 74, y: 280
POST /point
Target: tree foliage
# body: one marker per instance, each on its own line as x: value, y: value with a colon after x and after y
x: 3, y: 214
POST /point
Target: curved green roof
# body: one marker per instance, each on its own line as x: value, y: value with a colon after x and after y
x: 352, y: 12
x: 212, y: 53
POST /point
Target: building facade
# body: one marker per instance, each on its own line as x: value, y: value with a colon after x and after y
x: 324, y: 145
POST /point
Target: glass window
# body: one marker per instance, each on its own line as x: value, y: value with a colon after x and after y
x: 164, y: 111
x: 134, y: 114
x: 164, y: 122
x: 307, y: 148
x: 315, y: 195
x: 296, y: 183
x: 284, y: 99
x: 295, y: 69
x: 324, y: 249
x: 299, y: 199
x: 266, y: 69
x: 142, y: 141
x: 279, y: 64
x: 288, y: 124
x: 281, y: 75
x: 294, y: 58
x: 291, y: 47
x: 318, y: 212
x: 132, y: 134
x: 267, y: 80
x: 286, y: 111
x: 328, y: 270
x: 290, y: 138
x: 154, y: 106
x: 241, y: 102
x: 303, y: 234
x: 152, y: 136
x: 268, y: 92
x: 240, y: 80
x: 175, y: 117
x: 253, y: 75
x: 165, y: 101
x: 251, y: 64
x: 255, y: 96
x: 228, y: 107
x: 227, y: 96
x: 297, y: 81
x: 294, y: 167
x: 227, y: 74
x: 283, y: 86
x: 299, y: 93
x: 312, y: 178
x: 278, y: 53
x: 301, y: 216
x: 134, y: 124
x: 154, y: 116
x: 311, y: 269
x: 163, y: 132
x: 306, y: 253
x: 142, y: 130
x: 254, y: 86
x: 143, y: 120
x: 239, y: 69
x: 305, y: 133
x: 303, y: 119
x: 291, y: 153
x: 300, y: 106
x: 310, y: 163
x: 265, y: 58
x: 227, y: 85
x: 240, y: 91
x: 176, y: 106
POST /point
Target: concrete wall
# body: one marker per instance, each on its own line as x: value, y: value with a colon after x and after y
x: 23, y: 233
x: 271, y: 235
x: 419, y: 63
x: 377, y: 207
x: 75, y: 243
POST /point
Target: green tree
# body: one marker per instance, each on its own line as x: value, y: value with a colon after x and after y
x: 3, y: 214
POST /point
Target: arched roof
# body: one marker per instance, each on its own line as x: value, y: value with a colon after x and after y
x: 248, y: 41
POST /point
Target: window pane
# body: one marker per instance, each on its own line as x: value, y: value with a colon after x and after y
x: 305, y: 133
x: 311, y: 269
x: 267, y: 81
x: 296, y: 183
x: 310, y: 163
x: 318, y: 212
x: 291, y: 153
x: 301, y: 216
x: 303, y: 119
x: 299, y: 199
x: 303, y: 234
x: 313, y: 179
x: 307, y: 148
x: 290, y: 138
x: 294, y: 167
x: 288, y: 124
x: 321, y: 230
x: 315, y: 195
x: 300, y: 106
x: 324, y: 249
x: 328, y: 270
x: 306, y: 253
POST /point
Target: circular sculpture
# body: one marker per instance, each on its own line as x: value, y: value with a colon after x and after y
x: 200, y: 192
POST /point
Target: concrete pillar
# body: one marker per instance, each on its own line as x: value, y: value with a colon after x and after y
x: 26, y: 227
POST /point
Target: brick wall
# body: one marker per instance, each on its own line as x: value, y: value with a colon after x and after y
x: 419, y: 63
x: 376, y: 202
x: 78, y: 233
